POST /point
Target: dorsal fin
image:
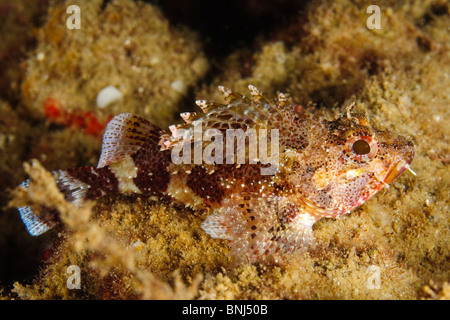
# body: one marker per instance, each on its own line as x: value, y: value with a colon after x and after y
x: 269, y: 108
x: 188, y: 116
x: 229, y: 96
x: 207, y: 106
x: 258, y: 95
x: 125, y: 134
x: 239, y: 112
x: 283, y: 99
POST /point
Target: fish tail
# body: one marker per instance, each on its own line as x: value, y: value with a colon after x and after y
x: 131, y: 163
x: 36, y: 224
x: 77, y: 185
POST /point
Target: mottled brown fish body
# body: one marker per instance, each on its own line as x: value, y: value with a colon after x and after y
x: 292, y: 170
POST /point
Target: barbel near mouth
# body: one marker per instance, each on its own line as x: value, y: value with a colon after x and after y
x: 408, y: 167
x: 397, y: 170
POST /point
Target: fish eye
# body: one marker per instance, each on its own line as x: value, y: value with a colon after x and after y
x: 361, y: 148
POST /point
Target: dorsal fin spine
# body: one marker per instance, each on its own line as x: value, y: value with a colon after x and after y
x: 124, y: 135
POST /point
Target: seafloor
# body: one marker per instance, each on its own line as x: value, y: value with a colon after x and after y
x: 162, y: 55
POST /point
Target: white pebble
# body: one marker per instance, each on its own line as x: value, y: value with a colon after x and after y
x: 107, y: 96
x: 40, y: 56
x: 178, y: 86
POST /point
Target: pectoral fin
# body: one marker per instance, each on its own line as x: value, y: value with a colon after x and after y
x: 261, y: 226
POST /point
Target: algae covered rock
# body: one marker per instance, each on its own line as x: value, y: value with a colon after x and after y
x: 125, y: 44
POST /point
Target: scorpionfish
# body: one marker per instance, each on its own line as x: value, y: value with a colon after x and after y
x: 323, y: 169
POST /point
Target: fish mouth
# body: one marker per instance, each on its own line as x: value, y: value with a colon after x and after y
x: 403, y: 164
x: 397, y: 170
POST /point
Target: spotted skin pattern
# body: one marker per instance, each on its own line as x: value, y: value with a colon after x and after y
x: 325, y: 169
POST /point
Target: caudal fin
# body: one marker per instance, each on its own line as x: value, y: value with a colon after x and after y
x: 77, y: 185
x: 37, y: 225
x: 130, y: 163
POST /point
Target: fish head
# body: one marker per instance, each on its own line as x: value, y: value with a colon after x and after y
x: 347, y: 161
